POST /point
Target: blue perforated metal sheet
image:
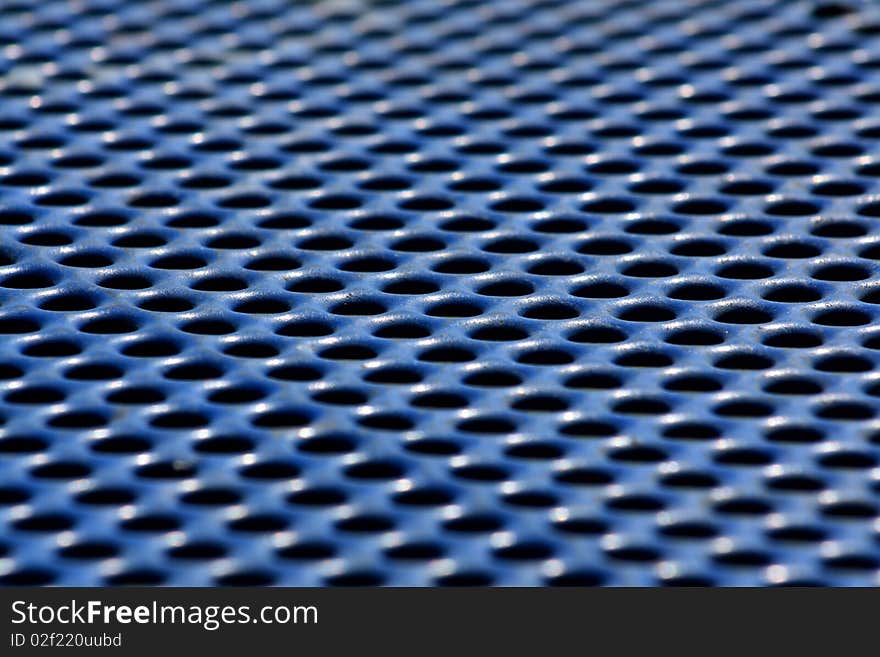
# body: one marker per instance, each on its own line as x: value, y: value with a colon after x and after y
x: 435, y: 292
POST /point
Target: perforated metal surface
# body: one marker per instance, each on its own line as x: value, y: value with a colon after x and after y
x: 436, y: 292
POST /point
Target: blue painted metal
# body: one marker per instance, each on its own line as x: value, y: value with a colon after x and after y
x: 437, y: 292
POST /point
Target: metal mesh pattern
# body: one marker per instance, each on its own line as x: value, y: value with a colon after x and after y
x: 439, y: 292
